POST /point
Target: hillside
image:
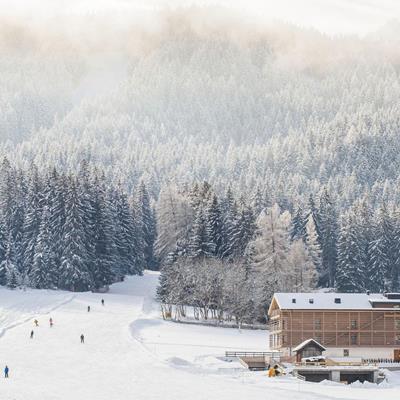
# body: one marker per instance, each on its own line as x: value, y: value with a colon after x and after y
x: 129, y: 351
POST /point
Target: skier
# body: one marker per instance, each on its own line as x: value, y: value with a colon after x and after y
x: 82, y: 338
x: 6, y: 369
x: 88, y: 308
x: 32, y: 334
x: 36, y: 322
x: 102, y: 302
x: 51, y: 322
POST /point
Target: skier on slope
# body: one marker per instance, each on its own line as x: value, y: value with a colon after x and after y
x: 36, y: 322
x: 51, y: 322
x: 88, y: 308
x: 32, y: 334
x: 6, y: 369
x: 102, y: 302
x: 82, y: 338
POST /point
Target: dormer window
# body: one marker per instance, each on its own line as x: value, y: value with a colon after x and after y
x: 293, y: 300
x: 338, y: 300
x: 311, y: 301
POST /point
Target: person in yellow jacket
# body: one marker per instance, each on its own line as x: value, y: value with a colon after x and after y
x: 271, y: 372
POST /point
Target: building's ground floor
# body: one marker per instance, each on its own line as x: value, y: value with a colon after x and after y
x: 338, y: 374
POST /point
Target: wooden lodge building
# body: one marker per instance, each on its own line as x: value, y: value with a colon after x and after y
x: 346, y: 324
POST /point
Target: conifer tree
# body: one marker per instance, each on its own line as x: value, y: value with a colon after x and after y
x: 74, y: 261
x: 148, y: 225
x: 327, y: 231
x: 44, y: 272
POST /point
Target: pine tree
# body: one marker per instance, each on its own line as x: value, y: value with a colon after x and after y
x: 245, y: 230
x: 348, y: 267
x: 57, y: 188
x: 74, y: 261
x: 44, y: 273
x: 199, y: 244
x: 382, y: 251
x: 327, y: 231
x: 213, y: 227
x: 8, y: 265
x: 32, y: 221
x: 314, y: 248
x: 148, y: 225
x: 257, y: 203
x: 104, y: 266
x: 298, y: 227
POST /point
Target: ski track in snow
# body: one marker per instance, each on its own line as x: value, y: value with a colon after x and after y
x: 131, y: 353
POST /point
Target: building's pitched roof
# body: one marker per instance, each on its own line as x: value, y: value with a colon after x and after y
x: 326, y: 301
x: 306, y: 342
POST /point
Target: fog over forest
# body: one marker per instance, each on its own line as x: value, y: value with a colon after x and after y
x: 192, y: 115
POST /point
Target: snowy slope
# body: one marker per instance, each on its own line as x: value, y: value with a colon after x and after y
x: 130, y: 353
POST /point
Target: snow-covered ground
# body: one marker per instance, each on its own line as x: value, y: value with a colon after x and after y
x: 130, y: 353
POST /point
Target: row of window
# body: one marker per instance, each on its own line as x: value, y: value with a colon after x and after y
x: 353, y: 324
x: 337, y: 300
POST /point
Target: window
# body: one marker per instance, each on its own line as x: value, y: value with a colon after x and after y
x: 317, y: 324
x: 311, y: 301
x: 397, y: 339
x: 346, y: 352
x: 293, y: 300
x: 397, y: 323
x: 338, y: 300
x: 353, y: 338
x: 353, y: 324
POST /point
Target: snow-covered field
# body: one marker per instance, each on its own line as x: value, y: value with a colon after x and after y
x: 130, y: 353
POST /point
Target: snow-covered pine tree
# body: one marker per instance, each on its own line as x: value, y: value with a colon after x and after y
x: 104, y: 266
x: 382, y: 251
x: 125, y: 236
x: 328, y: 238
x: 148, y: 225
x: 257, y: 203
x: 44, y: 272
x: 199, y: 244
x: 56, y: 193
x: 349, y: 273
x: 245, y: 229
x: 34, y: 209
x: 298, y: 226
x: 213, y: 227
x: 74, y: 261
x: 314, y: 248
x: 392, y: 281
x: 8, y: 265
x: 174, y: 216
x: 230, y: 231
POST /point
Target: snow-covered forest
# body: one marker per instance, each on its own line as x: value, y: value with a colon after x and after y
x: 71, y: 231
x: 239, y: 159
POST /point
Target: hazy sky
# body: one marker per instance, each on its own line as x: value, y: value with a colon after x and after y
x: 330, y: 16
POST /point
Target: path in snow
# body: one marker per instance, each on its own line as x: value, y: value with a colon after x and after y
x: 130, y: 353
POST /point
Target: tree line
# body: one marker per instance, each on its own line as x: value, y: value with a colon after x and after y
x: 71, y: 231
x: 228, y: 256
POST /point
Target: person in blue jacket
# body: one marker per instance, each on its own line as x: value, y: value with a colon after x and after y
x: 6, y: 369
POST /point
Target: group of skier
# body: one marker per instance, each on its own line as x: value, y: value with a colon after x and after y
x: 51, y: 323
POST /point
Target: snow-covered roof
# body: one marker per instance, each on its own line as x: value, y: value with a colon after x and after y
x: 327, y: 301
x: 306, y: 342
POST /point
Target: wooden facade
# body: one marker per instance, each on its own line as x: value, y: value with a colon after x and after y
x: 342, y: 328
